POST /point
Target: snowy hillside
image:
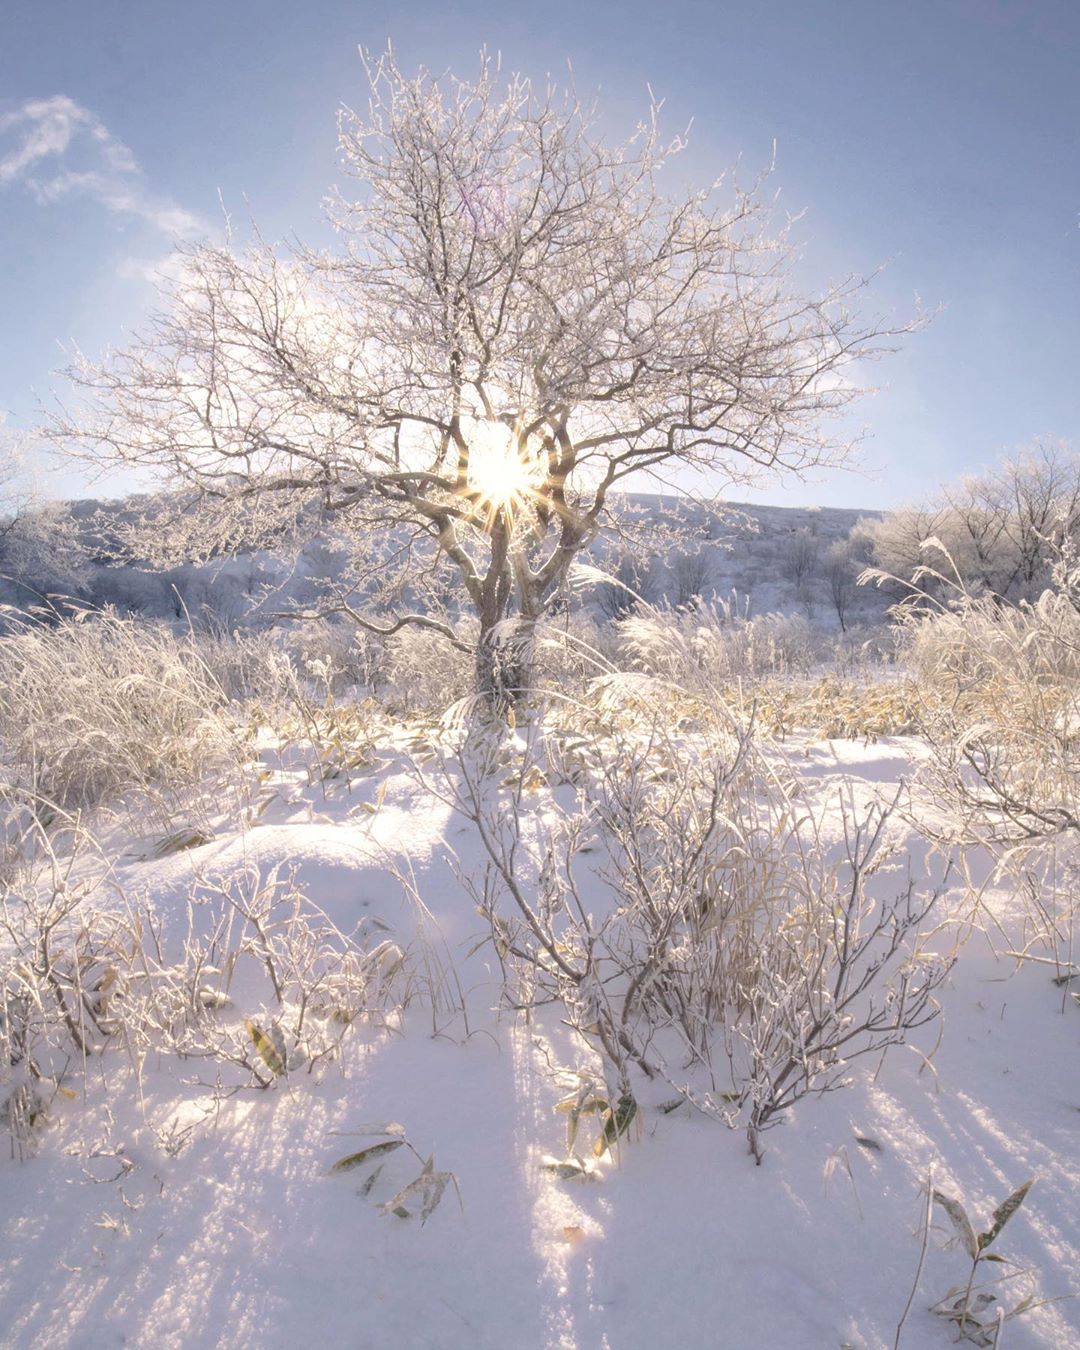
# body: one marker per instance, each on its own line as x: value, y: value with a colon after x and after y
x: 767, y: 559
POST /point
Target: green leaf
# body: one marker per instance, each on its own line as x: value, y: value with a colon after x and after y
x: 270, y: 1045
x: 616, y: 1123
x: 365, y: 1155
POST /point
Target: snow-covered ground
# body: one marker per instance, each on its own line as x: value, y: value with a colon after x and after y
x: 159, y: 1213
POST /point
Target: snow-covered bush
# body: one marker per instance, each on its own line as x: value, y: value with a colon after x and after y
x: 569, y: 651
x: 249, y: 976
x: 41, y: 555
x: 256, y: 976
x: 714, y: 941
x: 337, y: 656
x: 96, y: 708
x: 724, y: 644
x: 1003, y: 530
x: 247, y: 664
x: 999, y: 696
x: 423, y: 672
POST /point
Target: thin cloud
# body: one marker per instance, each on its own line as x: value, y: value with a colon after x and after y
x: 57, y: 149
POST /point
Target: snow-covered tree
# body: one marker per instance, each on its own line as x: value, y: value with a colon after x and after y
x: 41, y: 557
x: 1002, y: 531
x: 519, y: 320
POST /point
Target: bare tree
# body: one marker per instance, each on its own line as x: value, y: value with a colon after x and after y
x: 632, y: 583
x: 1002, y: 530
x: 800, y: 559
x: 800, y: 562
x: 519, y: 321
x: 691, y: 570
x: 841, y: 572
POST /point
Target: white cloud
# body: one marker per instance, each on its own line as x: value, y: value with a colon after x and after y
x: 57, y: 149
x: 168, y: 267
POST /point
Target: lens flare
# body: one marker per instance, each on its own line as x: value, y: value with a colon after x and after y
x: 502, y: 475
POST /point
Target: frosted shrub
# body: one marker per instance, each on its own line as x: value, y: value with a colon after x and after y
x: 1000, y: 707
x: 54, y: 977
x: 569, y: 651
x: 339, y: 657
x: 722, y: 644
x: 246, y: 664
x: 423, y: 672
x: 250, y: 976
x: 257, y: 976
x: 96, y: 708
x: 711, y: 940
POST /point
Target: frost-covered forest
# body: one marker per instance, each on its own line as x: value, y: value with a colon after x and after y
x: 459, y: 888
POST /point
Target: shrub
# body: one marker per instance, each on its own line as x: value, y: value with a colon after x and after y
x: 423, y: 672
x: 999, y: 705
x: 249, y: 976
x: 95, y: 708
x: 715, y: 942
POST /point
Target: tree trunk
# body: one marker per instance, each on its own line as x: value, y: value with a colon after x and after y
x: 509, y: 612
x: 504, y: 661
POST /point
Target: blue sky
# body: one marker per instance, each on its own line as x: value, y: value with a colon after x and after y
x: 939, y: 137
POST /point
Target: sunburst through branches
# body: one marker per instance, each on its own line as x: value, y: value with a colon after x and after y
x: 504, y: 473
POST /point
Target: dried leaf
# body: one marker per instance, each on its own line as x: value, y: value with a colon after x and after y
x: 366, y: 1188
x: 673, y: 1105
x: 381, y: 1127
x: 429, y: 1186
x: 960, y: 1222
x: 176, y: 843
x: 1004, y: 1213
x: 565, y: 1168
x: 436, y: 1185
x: 365, y: 1155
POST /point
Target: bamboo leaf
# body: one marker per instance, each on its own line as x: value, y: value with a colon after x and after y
x: 566, y: 1169
x: 381, y: 1127
x: 960, y: 1222
x: 1004, y: 1213
x: 178, y: 842
x: 270, y: 1047
x: 436, y: 1186
x: 365, y: 1155
x: 366, y: 1188
x: 616, y: 1123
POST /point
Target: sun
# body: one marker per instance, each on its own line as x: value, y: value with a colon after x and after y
x: 503, y: 476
